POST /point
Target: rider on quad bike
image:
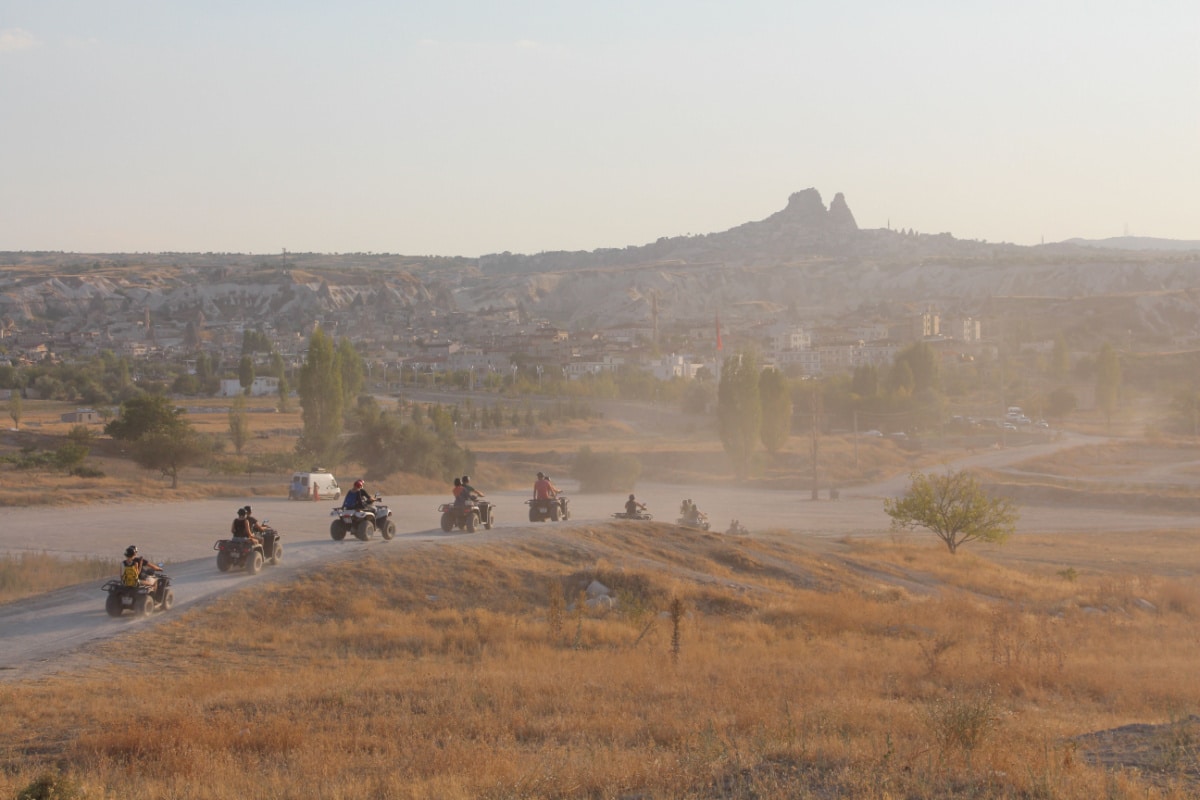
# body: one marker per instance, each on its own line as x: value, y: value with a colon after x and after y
x: 136, y: 569
x: 243, y: 525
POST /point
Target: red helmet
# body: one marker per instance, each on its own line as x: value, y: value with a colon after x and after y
x: 358, y: 484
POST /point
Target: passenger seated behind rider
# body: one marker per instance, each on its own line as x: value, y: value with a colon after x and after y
x: 242, y: 528
x: 468, y: 494
x: 457, y: 490
x: 357, y: 498
x: 145, y: 568
x: 633, y: 507
x: 255, y: 526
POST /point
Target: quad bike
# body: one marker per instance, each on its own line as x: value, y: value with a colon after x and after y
x: 554, y: 508
x: 148, y: 594
x: 637, y: 515
x: 467, y: 517
x: 249, y: 554
x: 700, y: 521
x: 362, y: 523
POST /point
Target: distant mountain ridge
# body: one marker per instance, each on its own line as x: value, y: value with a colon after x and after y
x: 808, y: 260
x: 1137, y: 243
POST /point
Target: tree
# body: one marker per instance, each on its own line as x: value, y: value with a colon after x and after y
x: 160, y: 434
x: 145, y: 414
x: 739, y: 411
x: 776, y: 401
x: 922, y: 362
x: 14, y: 407
x: 955, y: 507
x: 320, y: 397
x: 239, y: 428
x: 1108, y: 381
x: 169, y: 452
x: 350, y: 366
x: 1060, y: 402
x: 246, y: 373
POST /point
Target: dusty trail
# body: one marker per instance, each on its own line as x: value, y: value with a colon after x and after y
x: 36, y: 633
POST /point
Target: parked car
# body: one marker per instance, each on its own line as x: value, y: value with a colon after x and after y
x: 303, y: 483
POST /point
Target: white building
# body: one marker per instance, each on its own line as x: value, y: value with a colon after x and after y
x: 262, y: 386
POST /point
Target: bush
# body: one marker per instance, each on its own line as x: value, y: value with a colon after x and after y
x: 605, y: 472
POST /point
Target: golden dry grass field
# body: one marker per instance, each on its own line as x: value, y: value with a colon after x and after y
x: 764, y: 667
x: 769, y: 666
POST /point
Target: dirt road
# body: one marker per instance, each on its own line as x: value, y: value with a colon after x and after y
x: 36, y: 632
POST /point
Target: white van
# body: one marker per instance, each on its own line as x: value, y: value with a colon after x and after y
x: 303, y: 483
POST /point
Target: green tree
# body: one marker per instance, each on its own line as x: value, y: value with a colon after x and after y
x: 144, y: 414
x: 865, y: 383
x: 14, y: 407
x: 350, y: 367
x: 739, y: 411
x: 922, y: 361
x: 246, y: 373
x: 170, y: 452
x: 321, y: 399
x: 239, y: 427
x: 776, y: 401
x: 161, y: 437
x: 1108, y: 381
x: 955, y: 507
x: 1060, y: 402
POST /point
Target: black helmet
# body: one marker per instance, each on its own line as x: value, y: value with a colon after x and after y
x: 540, y: 476
x: 242, y: 512
x: 131, y: 551
x: 466, y: 478
x: 458, y: 481
x: 248, y: 509
x: 630, y: 497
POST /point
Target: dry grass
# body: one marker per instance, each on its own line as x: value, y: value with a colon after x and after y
x: 27, y: 574
x: 471, y: 670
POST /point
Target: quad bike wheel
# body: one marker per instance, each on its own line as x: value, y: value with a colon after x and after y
x: 554, y: 512
x: 388, y: 531
x: 276, y: 553
x: 337, y: 531
x: 533, y: 515
x: 224, y: 561
x: 472, y: 521
x: 447, y: 522
x: 487, y: 525
x: 113, y: 605
x: 566, y: 513
x: 168, y: 600
x: 254, y: 562
x: 363, y: 529
x: 143, y: 604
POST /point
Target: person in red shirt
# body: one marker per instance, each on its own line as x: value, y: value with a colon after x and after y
x: 543, y: 489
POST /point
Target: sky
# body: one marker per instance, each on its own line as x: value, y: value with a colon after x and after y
x: 463, y: 127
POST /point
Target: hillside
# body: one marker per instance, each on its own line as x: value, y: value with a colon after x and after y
x: 809, y: 259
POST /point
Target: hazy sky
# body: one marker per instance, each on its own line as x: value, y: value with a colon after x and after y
x: 453, y: 127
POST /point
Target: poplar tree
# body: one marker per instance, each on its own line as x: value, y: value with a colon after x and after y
x: 1108, y: 381
x: 321, y: 399
x: 776, y: 402
x: 739, y: 411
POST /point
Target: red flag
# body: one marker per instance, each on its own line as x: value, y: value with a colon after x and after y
x: 719, y: 347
